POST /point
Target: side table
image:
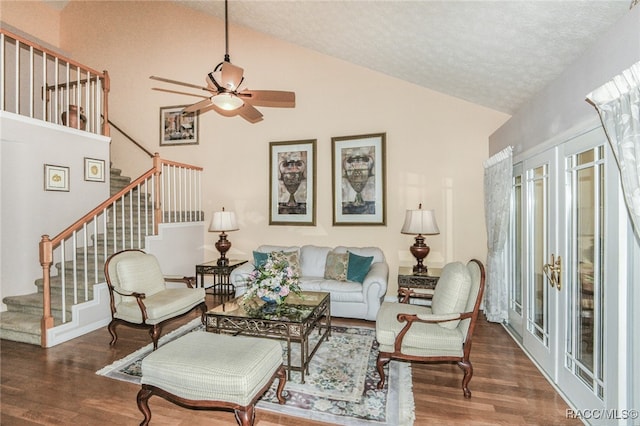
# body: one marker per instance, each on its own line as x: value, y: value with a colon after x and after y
x: 221, y: 283
x: 418, y: 286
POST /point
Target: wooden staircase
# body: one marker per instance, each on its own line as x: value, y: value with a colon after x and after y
x: 22, y: 320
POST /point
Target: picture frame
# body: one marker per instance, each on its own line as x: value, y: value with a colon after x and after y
x: 359, y: 179
x: 94, y: 170
x: 292, y: 183
x: 177, y: 127
x: 56, y: 178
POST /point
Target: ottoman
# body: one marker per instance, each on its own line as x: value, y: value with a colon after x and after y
x: 207, y: 371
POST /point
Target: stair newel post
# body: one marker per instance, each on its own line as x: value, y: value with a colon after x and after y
x: 157, y: 207
x: 46, y: 259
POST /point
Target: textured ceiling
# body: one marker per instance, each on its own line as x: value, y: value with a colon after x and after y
x: 497, y: 54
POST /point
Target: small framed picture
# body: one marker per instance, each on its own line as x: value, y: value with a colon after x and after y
x: 358, y: 177
x: 177, y: 127
x: 93, y: 170
x: 56, y: 178
x: 292, y: 183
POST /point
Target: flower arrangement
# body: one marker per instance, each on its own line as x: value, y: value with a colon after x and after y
x: 273, y: 281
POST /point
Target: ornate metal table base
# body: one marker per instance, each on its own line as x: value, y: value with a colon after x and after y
x: 292, y: 321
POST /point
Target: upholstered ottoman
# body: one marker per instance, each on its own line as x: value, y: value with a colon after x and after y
x: 206, y: 371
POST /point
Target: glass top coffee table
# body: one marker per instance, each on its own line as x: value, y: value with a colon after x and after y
x: 293, y: 321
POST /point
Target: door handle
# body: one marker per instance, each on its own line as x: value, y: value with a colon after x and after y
x: 553, y: 271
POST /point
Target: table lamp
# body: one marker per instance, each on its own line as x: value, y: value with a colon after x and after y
x: 220, y: 222
x: 420, y: 222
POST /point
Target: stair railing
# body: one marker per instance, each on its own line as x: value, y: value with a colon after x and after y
x: 169, y: 192
x: 39, y: 83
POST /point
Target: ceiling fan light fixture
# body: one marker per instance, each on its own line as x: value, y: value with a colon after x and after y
x: 227, y: 101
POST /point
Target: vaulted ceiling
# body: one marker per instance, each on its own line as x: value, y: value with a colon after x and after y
x: 492, y: 53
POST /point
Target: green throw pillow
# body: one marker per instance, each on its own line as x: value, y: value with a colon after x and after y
x: 336, y: 266
x: 259, y: 258
x: 358, y: 267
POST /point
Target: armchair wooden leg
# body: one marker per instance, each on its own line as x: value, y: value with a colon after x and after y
x: 112, y: 331
x: 382, y: 360
x: 155, y: 335
x: 203, y: 311
x: 468, y: 373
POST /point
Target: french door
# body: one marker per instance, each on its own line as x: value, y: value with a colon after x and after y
x: 563, y: 266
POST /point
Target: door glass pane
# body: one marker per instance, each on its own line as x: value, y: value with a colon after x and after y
x: 516, y: 247
x: 537, y: 318
x: 585, y: 172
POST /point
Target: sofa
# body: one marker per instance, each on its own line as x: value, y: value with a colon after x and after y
x: 359, y: 297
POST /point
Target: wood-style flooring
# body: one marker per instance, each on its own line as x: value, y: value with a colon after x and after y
x: 58, y: 386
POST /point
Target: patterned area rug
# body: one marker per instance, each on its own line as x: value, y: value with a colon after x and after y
x: 340, y: 387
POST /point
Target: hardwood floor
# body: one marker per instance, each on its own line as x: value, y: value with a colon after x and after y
x: 58, y: 386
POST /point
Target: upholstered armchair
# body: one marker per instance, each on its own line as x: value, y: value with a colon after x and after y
x: 140, y: 297
x: 440, y: 333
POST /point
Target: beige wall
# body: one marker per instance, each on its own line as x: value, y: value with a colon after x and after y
x: 37, y: 19
x: 435, y: 143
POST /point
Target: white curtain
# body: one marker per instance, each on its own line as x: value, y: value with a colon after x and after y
x: 618, y: 103
x: 497, y: 193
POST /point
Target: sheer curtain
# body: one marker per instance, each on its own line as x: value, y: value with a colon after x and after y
x: 618, y: 103
x: 497, y: 193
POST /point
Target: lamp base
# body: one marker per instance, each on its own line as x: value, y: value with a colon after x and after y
x: 223, y: 245
x: 420, y: 250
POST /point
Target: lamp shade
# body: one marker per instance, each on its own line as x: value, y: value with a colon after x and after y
x: 420, y: 221
x: 223, y: 221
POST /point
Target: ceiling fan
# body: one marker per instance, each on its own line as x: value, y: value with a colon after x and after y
x: 225, y: 95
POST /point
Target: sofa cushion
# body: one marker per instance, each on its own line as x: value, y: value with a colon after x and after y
x: 336, y: 266
x: 313, y: 260
x: 341, y: 291
x: 378, y: 255
x: 358, y: 267
x: 452, y: 292
x: 259, y: 258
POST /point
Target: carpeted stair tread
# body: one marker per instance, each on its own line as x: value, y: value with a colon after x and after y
x: 20, y: 327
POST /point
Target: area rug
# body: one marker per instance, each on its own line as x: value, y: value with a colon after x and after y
x: 340, y: 387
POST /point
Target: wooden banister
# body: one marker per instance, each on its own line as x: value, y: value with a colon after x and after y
x: 152, y: 180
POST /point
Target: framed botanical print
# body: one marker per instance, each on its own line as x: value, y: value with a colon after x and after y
x: 292, y: 182
x: 94, y: 170
x: 358, y: 175
x: 56, y: 178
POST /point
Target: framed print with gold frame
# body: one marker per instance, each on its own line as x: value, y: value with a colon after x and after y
x: 358, y: 176
x: 292, y: 182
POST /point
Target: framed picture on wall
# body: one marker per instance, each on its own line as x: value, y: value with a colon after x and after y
x: 292, y: 183
x: 93, y: 170
x: 56, y: 178
x: 177, y: 127
x: 358, y: 175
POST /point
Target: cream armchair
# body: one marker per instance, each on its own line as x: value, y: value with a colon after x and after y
x: 140, y: 297
x: 440, y: 333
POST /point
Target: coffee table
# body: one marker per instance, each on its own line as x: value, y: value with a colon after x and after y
x: 293, y: 321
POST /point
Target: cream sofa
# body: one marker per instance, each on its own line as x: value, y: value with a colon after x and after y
x: 349, y: 299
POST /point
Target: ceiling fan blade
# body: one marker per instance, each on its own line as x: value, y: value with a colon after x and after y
x: 249, y: 113
x: 179, y: 93
x: 231, y: 76
x: 198, y: 105
x: 269, y: 98
x: 166, y: 80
